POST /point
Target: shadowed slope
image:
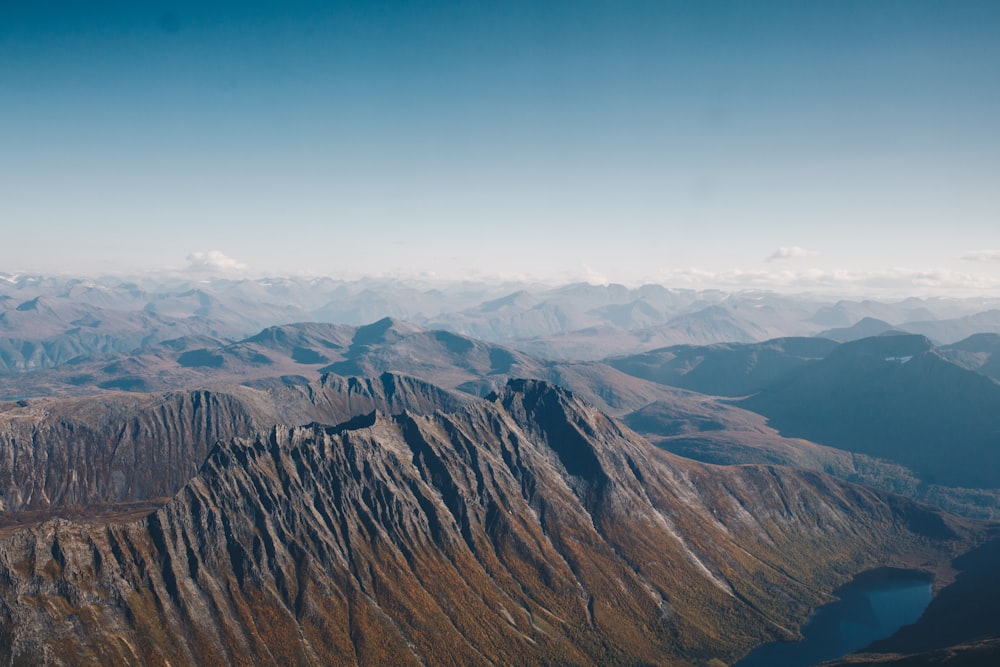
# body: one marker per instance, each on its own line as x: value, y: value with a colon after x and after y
x: 894, y: 397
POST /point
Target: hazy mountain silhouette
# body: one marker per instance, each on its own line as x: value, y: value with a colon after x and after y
x: 46, y: 321
x: 863, y: 328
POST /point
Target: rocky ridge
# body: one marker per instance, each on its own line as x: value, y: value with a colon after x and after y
x: 57, y: 454
x: 525, y: 529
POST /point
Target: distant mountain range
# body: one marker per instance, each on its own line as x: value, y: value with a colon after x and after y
x: 45, y: 321
x: 324, y: 472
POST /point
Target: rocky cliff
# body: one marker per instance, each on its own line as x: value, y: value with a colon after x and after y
x: 127, y: 448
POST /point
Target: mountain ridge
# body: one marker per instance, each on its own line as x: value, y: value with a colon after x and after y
x: 65, y: 453
x: 469, y: 536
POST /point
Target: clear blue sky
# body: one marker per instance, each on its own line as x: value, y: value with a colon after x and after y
x: 756, y: 143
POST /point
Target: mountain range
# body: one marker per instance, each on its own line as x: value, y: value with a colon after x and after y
x: 796, y: 383
x: 48, y: 320
x: 293, y: 471
x: 895, y: 397
x: 523, y: 528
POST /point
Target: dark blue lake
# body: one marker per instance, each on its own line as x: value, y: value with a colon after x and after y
x: 873, y: 606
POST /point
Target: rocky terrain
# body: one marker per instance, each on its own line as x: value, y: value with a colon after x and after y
x: 187, y: 479
x: 527, y: 528
x: 64, y: 455
x: 652, y: 391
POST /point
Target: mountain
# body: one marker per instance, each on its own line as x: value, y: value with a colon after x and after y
x: 846, y: 312
x: 898, y: 410
x: 940, y: 330
x: 535, y: 313
x: 724, y: 369
x: 863, y: 328
x: 734, y: 318
x: 952, y: 330
x: 127, y: 452
x: 43, y: 332
x: 980, y: 353
x: 894, y: 397
x: 527, y: 528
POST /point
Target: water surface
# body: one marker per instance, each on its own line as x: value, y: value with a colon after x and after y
x: 871, y: 607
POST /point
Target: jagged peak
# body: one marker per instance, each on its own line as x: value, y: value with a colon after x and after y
x: 567, y: 425
x: 530, y: 387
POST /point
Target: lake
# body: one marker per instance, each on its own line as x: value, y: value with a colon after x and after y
x: 871, y: 607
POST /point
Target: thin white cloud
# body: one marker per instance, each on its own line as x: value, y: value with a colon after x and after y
x: 893, y: 281
x: 213, y: 261
x: 982, y: 256
x: 595, y: 277
x: 792, y: 252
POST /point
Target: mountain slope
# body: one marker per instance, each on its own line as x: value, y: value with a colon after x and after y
x: 980, y: 353
x: 529, y: 529
x: 725, y: 369
x: 894, y: 397
x: 127, y: 448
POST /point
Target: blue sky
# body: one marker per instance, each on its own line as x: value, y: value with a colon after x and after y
x: 755, y: 144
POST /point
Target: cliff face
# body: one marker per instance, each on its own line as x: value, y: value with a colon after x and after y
x: 525, y: 529
x: 128, y: 448
x: 87, y: 451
